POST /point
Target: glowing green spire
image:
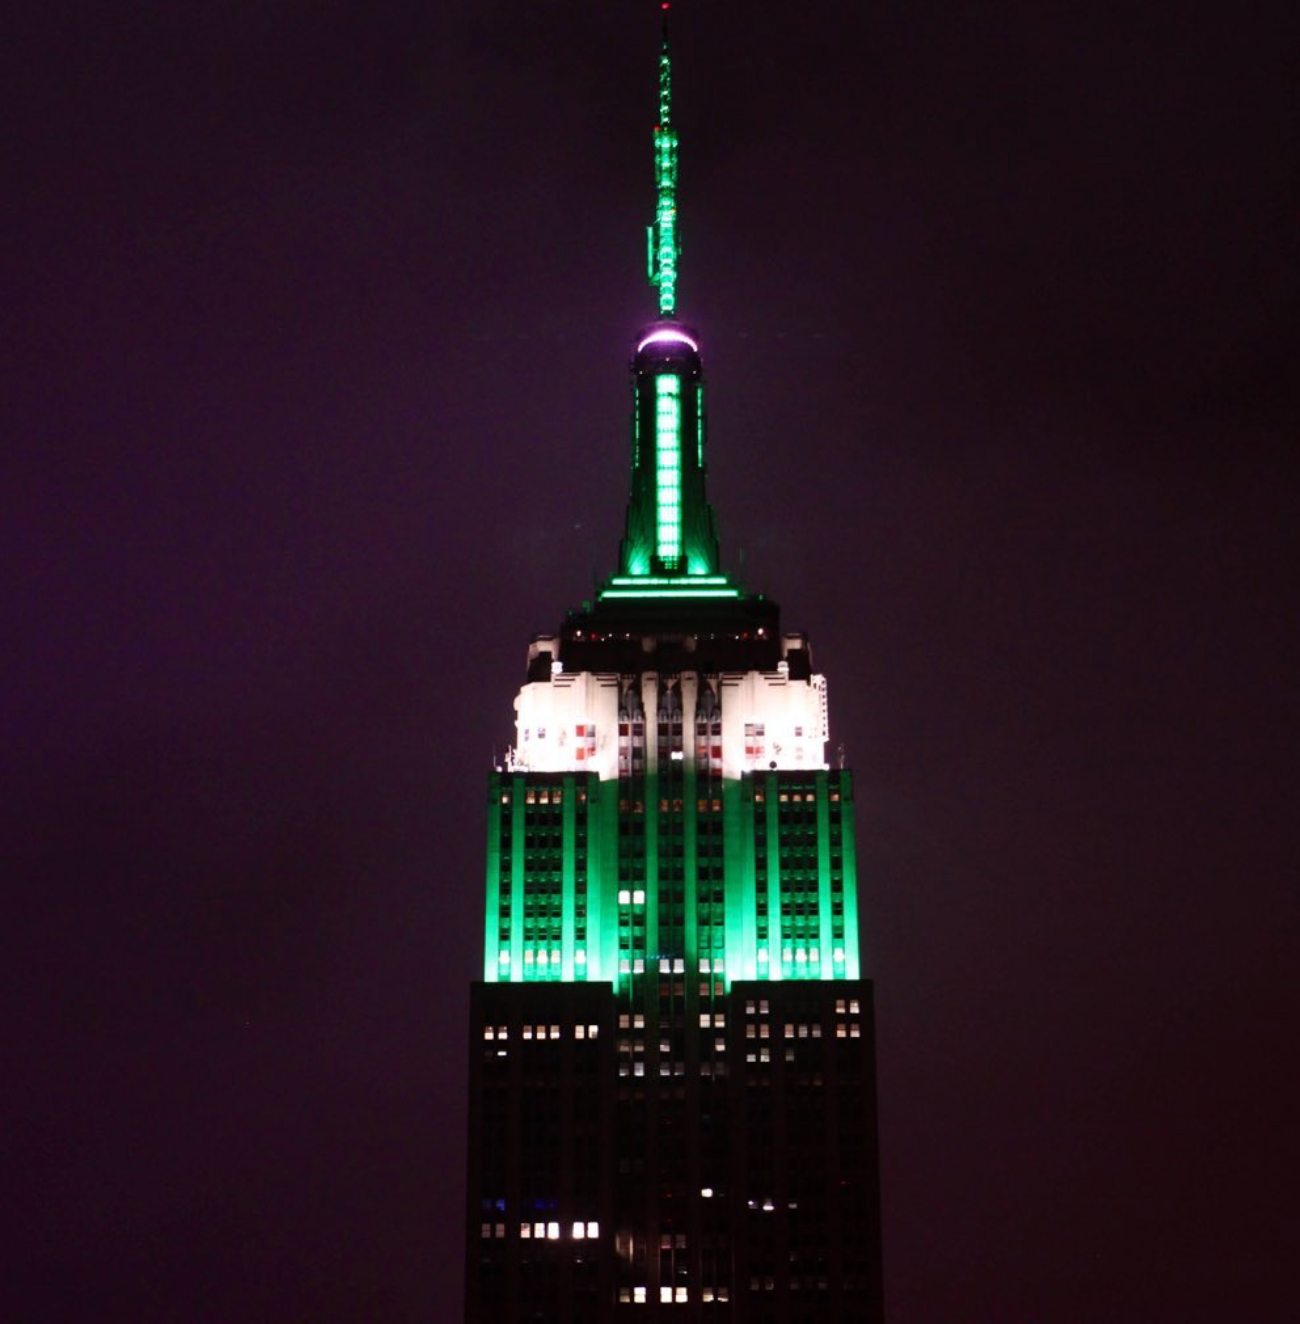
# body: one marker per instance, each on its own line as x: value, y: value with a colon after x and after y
x: 662, y: 235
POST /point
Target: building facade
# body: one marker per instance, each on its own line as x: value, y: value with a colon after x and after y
x: 672, y: 1065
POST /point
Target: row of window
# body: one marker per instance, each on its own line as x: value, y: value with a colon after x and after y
x: 540, y: 1032
x: 671, y: 1296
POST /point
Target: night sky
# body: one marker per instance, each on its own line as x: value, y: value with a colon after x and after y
x: 316, y: 321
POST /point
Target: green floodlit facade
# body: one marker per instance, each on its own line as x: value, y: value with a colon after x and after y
x: 750, y: 878
x: 672, y: 1090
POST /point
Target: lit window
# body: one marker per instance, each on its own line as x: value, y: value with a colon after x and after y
x: 707, y: 1192
x: 625, y: 1294
x: 489, y: 1032
x: 666, y: 1295
x: 579, y: 1231
x: 528, y: 1031
x: 704, y: 966
x: 853, y: 1006
x: 720, y: 1019
x: 762, y: 1007
x: 638, y: 1295
x: 555, y: 1031
x: 487, y: 1230
x: 552, y: 1232
x: 682, y: 1294
x: 580, y: 958
x: 526, y: 1230
x: 638, y: 897
x: 638, y: 1020
x: 624, y: 1020
x: 665, y: 966
x: 624, y: 897
x: 624, y: 966
x: 638, y: 1068
x: 704, y: 1022
x: 579, y: 1031
x: 593, y: 1230
x: 679, y: 966
x: 839, y: 1005
x: 504, y: 958
x: 592, y: 1031
x: 762, y: 956
x: 638, y: 966
x: 500, y: 1229
x: 841, y: 1031
x: 855, y: 1031
x: 706, y: 1294
x: 539, y: 1231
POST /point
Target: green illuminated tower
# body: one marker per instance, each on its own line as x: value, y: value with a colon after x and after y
x: 672, y: 1061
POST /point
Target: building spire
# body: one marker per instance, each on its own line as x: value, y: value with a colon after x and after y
x: 664, y: 247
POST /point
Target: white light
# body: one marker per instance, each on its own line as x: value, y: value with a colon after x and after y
x: 504, y: 958
x: 624, y: 897
x: 677, y: 755
x: 762, y: 957
x: 580, y: 958
x: 666, y: 1295
x: 638, y: 1295
x: 579, y: 1231
x: 638, y: 897
x: 707, y: 1192
x: 665, y: 336
x: 839, y: 954
x: 593, y: 1231
x: 552, y: 1232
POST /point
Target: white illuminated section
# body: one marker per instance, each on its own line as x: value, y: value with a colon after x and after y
x: 667, y: 337
x: 769, y: 722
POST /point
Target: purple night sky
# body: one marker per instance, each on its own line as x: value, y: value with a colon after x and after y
x: 314, y: 402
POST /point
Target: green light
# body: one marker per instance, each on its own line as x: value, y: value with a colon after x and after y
x: 671, y: 593
x: 699, y: 424
x: 664, y: 248
x: 668, y: 457
x: 641, y: 580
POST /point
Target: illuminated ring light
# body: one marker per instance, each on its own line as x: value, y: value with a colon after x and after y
x: 664, y: 337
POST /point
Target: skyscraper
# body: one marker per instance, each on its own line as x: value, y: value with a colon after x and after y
x: 672, y: 1089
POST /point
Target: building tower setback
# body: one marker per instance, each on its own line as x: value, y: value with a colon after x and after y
x: 672, y: 1063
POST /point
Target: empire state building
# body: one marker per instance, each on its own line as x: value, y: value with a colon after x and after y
x: 672, y: 1063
